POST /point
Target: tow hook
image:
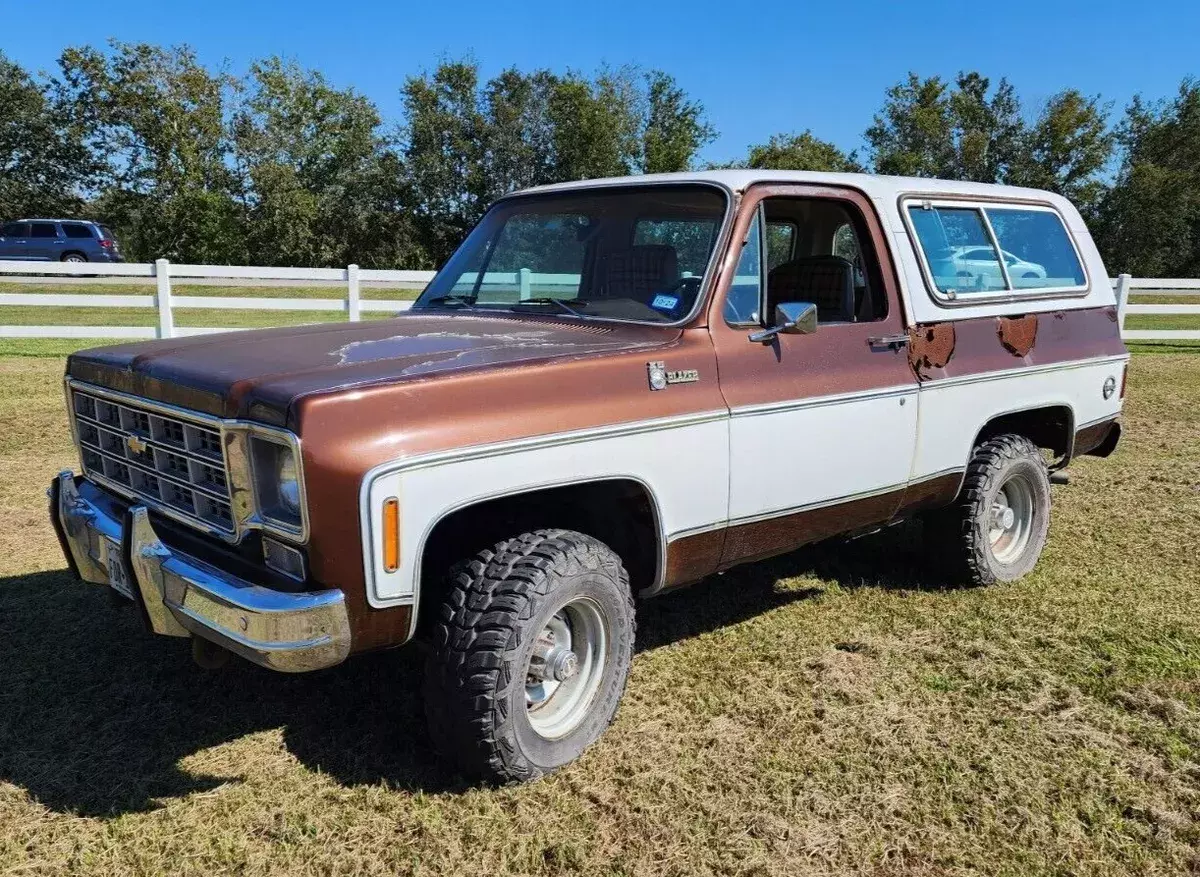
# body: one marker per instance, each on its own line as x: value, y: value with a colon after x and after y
x: 209, y: 655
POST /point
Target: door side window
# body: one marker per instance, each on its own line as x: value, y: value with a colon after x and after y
x: 745, y: 289
x: 832, y: 263
x: 15, y: 230
x: 43, y: 230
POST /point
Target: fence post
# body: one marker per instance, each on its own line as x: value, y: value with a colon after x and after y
x: 524, y: 284
x: 1122, y: 298
x: 166, y: 320
x: 353, y: 294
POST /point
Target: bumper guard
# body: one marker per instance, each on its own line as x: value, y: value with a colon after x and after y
x: 184, y: 596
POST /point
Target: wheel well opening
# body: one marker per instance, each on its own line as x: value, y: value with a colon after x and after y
x: 1051, y: 428
x: 619, y: 512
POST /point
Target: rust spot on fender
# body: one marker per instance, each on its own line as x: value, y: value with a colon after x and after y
x: 1018, y: 334
x: 930, y: 346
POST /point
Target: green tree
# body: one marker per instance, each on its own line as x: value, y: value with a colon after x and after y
x: 466, y: 143
x: 928, y: 128
x: 318, y: 181
x: 1067, y: 149
x: 801, y: 152
x: 1149, y: 222
x: 444, y: 154
x: 159, y: 128
x: 596, y: 125
x: 518, y: 129
x: 45, y: 165
x: 675, y: 128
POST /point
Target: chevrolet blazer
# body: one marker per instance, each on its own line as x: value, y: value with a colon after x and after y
x: 613, y: 388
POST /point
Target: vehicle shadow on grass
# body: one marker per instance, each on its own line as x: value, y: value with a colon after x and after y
x: 96, y: 714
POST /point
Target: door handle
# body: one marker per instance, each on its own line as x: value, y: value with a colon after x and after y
x: 898, y: 340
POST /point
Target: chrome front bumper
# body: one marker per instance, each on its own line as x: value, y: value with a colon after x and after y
x: 184, y: 596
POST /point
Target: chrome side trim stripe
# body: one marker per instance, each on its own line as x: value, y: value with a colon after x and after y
x: 819, y: 401
x: 1023, y: 371
x: 534, y: 443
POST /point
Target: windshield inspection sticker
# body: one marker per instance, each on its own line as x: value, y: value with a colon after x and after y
x: 664, y: 302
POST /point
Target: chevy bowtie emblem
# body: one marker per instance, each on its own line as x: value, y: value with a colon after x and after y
x: 135, y: 444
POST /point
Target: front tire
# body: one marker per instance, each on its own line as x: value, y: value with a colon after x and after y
x: 530, y: 653
x: 996, y: 529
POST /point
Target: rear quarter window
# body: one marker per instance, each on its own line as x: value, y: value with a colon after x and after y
x: 1036, y: 248
x: 76, y: 230
x: 971, y: 250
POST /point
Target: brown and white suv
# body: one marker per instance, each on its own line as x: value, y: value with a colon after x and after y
x: 614, y: 388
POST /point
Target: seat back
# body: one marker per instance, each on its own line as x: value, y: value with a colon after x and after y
x: 826, y: 281
x: 639, y: 272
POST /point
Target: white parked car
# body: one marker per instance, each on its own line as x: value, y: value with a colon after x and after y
x: 978, y: 261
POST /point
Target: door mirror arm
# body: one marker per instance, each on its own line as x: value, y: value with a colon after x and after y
x: 791, y: 318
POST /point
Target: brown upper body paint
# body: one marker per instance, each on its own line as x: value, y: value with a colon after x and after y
x: 362, y: 394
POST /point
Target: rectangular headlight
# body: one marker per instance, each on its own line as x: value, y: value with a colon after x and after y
x: 278, y: 490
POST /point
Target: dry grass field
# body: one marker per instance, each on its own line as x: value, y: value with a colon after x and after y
x: 835, y: 711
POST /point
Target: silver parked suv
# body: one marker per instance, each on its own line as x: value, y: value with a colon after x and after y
x: 58, y: 240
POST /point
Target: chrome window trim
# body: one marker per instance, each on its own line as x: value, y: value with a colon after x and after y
x: 706, y: 287
x: 980, y: 205
x: 235, y: 441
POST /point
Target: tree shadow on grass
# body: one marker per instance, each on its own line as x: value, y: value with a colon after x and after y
x: 96, y: 714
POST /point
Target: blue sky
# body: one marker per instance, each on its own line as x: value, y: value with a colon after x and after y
x: 759, y: 68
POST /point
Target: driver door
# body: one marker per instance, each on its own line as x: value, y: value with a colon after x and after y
x: 823, y: 425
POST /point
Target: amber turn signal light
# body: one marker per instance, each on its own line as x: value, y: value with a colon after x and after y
x: 391, y: 534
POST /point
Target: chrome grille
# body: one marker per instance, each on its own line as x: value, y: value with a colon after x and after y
x: 169, y: 461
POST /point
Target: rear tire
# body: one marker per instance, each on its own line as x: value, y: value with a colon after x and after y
x: 996, y: 529
x: 74, y: 257
x: 530, y: 653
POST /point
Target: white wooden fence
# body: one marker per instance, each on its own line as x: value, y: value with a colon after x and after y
x: 162, y: 273
x: 1126, y: 287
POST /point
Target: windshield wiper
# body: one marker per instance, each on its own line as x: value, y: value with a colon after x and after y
x: 453, y: 298
x: 551, y: 300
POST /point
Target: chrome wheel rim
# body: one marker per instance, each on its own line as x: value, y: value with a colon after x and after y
x: 75, y: 259
x: 565, y: 668
x: 1010, y: 521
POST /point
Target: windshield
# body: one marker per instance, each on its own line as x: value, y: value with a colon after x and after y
x: 628, y: 253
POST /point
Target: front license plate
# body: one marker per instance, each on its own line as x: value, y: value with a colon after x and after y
x: 118, y: 576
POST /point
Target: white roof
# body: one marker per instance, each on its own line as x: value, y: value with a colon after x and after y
x: 875, y: 185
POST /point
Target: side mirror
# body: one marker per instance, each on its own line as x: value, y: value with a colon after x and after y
x: 791, y: 318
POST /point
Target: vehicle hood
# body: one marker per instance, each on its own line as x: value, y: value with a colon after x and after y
x: 259, y: 374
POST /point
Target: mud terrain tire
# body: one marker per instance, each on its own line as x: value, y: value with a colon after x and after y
x: 491, y: 624
x: 996, y: 529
